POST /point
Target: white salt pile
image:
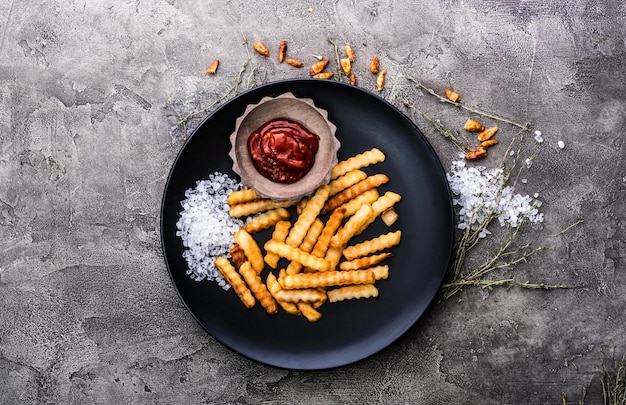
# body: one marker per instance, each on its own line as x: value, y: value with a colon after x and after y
x: 481, y: 192
x: 206, y: 227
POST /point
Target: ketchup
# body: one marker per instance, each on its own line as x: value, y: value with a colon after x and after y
x: 283, y: 150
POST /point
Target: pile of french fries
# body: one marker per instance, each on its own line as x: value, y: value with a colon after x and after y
x: 322, y: 264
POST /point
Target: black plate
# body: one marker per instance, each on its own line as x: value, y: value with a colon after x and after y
x: 351, y: 330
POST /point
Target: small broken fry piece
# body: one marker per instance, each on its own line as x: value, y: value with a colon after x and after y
x: 349, y: 53
x: 473, y: 126
x: 295, y: 63
x: 266, y: 219
x: 281, y: 230
x: 323, y: 75
x: 364, y: 262
x: 346, y: 66
x: 453, y: 95
x: 326, y: 279
x: 256, y: 206
x: 309, y: 312
x: 478, y: 152
x: 380, y: 272
x: 352, y: 79
x: 352, y: 292
x: 234, y: 279
x: 261, y: 48
x: 282, y: 50
x: 489, y: 142
x: 374, y: 65
x: 212, y: 69
x: 359, y: 161
x: 250, y: 248
x: 487, y: 133
x: 353, y: 191
x: 258, y: 288
x: 380, y: 80
x: 237, y: 255
x: 389, y: 216
x: 376, y: 244
x: 318, y: 67
x: 297, y: 255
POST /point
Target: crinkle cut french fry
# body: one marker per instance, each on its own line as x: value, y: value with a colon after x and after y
x: 383, y: 203
x: 354, y: 191
x: 273, y: 287
x: 258, y: 288
x: 309, y: 312
x: 350, y: 292
x: 364, y: 262
x: 326, y: 279
x: 297, y: 255
x: 333, y: 256
x: 301, y: 295
x: 307, y: 244
x: 333, y: 223
x: 353, y: 205
x: 281, y: 230
x: 380, y: 272
x: 250, y: 248
x: 266, y: 220
x: 307, y: 217
x: 256, y: 206
x: 353, y: 225
x: 234, y: 279
x: 359, y: 161
x: 376, y: 244
x: 343, y: 182
x: 241, y: 196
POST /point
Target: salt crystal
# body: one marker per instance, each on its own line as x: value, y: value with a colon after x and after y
x: 561, y: 144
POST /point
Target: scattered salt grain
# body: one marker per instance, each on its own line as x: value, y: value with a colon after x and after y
x: 529, y: 163
x: 538, y: 136
x: 561, y: 144
x: 481, y: 192
x: 206, y: 226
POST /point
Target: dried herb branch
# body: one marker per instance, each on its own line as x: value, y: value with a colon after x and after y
x: 525, y: 127
x: 337, y: 75
x: 614, y: 381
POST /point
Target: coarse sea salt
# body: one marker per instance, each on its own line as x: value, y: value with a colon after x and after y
x: 206, y: 227
x: 481, y: 192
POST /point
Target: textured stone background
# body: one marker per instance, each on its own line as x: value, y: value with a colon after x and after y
x: 87, y: 311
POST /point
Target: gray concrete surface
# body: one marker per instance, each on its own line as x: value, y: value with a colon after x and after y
x: 87, y: 311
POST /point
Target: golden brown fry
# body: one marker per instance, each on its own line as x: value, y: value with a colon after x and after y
x: 487, y: 133
x: 389, y: 216
x: 261, y: 48
x: 294, y: 62
x: 308, y: 216
x: 266, y: 219
x: 364, y: 262
x: 353, y: 205
x: 212, y: 69
x: 473, y: 126
x: 374, y: 65
x: 323, y: 75
x: 346, y: 66
x: 359, y: 161
x: 250, y: 248
x: 326, y: 279
x: 256, y: 206
x: 282, y: 51
x: 352, y: 292
x: 341, y: 183
x: 376, y: 244
x: 453, y: 96
x: 352, y: 79
x: 478, y: 152
x: 301, y: 294
x: 297, y: 255
x: 234, y: 279
x: 380, y: 80
x: 258, y: 288
x: 333, y: 256
x: 237, y: 255
x: 349, y: 53
x: 307, y: 244
x: 353, y: 191
x: 241, y: 196
x: 489, y: 142
x: 273, y: 287
x: 380, y: 272
x: 318, y: 67
x: 353, y: 225
x: 309, y: 312
x: 281, y: 230
x: 333, y: 223
x: 386, y: 201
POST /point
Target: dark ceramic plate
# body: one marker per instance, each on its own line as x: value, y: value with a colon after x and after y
x: 351, y: 330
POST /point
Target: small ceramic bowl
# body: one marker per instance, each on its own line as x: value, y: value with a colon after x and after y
x: 301, y: 110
